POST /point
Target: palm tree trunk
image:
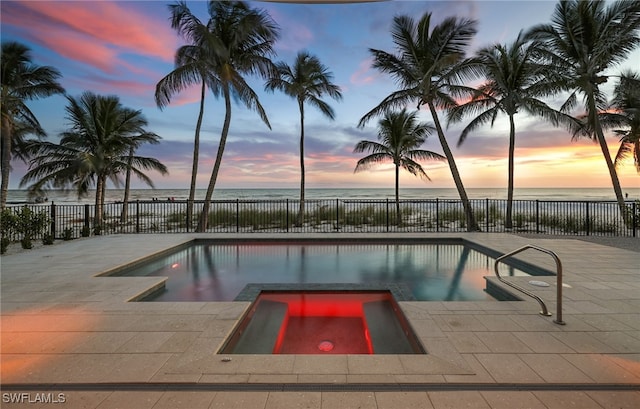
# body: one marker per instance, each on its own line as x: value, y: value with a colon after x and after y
x: 508, y: 224
x: 196, y: 153
x: 398, y: 215
x: 607, y: 157
x: 471, y: 221
x: 127, y: 186
x: 5, y: 162
x: 204, y: 216
x: 300, y: 220
x: 97, y: 217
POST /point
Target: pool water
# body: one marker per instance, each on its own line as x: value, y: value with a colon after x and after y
x: 319, y: 322
x: 426, y: 272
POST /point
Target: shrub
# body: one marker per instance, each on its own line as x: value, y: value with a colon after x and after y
x: 495, y: 213
x: 519, y: 219
x: 177, y: 217
x: 85, y: 232
x: 30, y: 224
x: 451, y: 215
x: 26, y: 243
x: 550, y: 221
x: 8, y: 223
x: 222, y: 217
x: 67, y: 234
x: 4, y: 244
x: 47, y: 239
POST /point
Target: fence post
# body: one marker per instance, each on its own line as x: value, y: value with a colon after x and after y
x: 53, y: 220
x: 587, y: 214
x: 635, y: 219
x: 287, y: 215
x: 437, y: 215
x: 337, y: 214
x: 188, y: 214
x: 237, y: 215
x: 387, y: 215
x: 486, y: 214
x: 137, y: 216
x: 87, y: 216
x: 537, y: 216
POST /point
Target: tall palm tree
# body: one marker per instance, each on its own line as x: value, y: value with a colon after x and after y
x: 307, y: 81
x: 135, y: 141
x: 429, y: 64
x: 584, y: 39
x: 626, y: 103
x: 22, y: 80
x: 192, y: 67
x: 242, y: 39
x: 513, y: 82
x: 94, y: 149
x: 399, y: 136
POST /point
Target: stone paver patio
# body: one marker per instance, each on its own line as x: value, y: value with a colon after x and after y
x: 66, y: 331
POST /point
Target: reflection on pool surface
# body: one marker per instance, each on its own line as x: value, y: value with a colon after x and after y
x: 429, y: 272
x: 323, y: 323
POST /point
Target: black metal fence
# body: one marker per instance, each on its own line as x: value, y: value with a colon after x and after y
x: 602, y: 218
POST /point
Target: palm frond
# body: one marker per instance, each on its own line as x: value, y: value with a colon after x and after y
x: 368, y: 161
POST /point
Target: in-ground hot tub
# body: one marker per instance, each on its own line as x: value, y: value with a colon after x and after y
x: 320, y: 322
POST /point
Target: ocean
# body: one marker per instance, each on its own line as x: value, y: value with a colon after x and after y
x: 116, y: 195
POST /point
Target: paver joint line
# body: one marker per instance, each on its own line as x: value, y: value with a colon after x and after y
x: 320, y: 387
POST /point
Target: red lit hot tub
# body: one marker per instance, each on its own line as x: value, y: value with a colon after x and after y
x: 315, y: 322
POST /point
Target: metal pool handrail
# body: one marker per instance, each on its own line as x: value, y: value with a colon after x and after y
x: 544, y: 311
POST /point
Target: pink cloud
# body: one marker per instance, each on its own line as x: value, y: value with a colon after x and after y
x: 190, y: 95
x: 363, y: 74
x: 81, y: 49
x: 94, y: 33
x: 109, y: 22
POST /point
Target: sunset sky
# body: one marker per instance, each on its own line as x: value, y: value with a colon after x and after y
x: 124, y: 48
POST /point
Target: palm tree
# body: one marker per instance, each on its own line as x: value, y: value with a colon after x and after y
x: 95, y: 149
x: 192, y: 66
x: 514, y: 82
x: 399, y: 136
x: 242, y: 39
x: 20, y: 143
x: 307, y: 81
x: 584, y: 39
x: 429, y: 65
x: 22, y: 80
x: 626, y: 103
x: 135, y: 142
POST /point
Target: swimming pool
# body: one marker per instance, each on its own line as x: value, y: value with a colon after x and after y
x: 226, y: 271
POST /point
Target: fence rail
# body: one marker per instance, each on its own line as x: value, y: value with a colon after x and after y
x: 338, y: 215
